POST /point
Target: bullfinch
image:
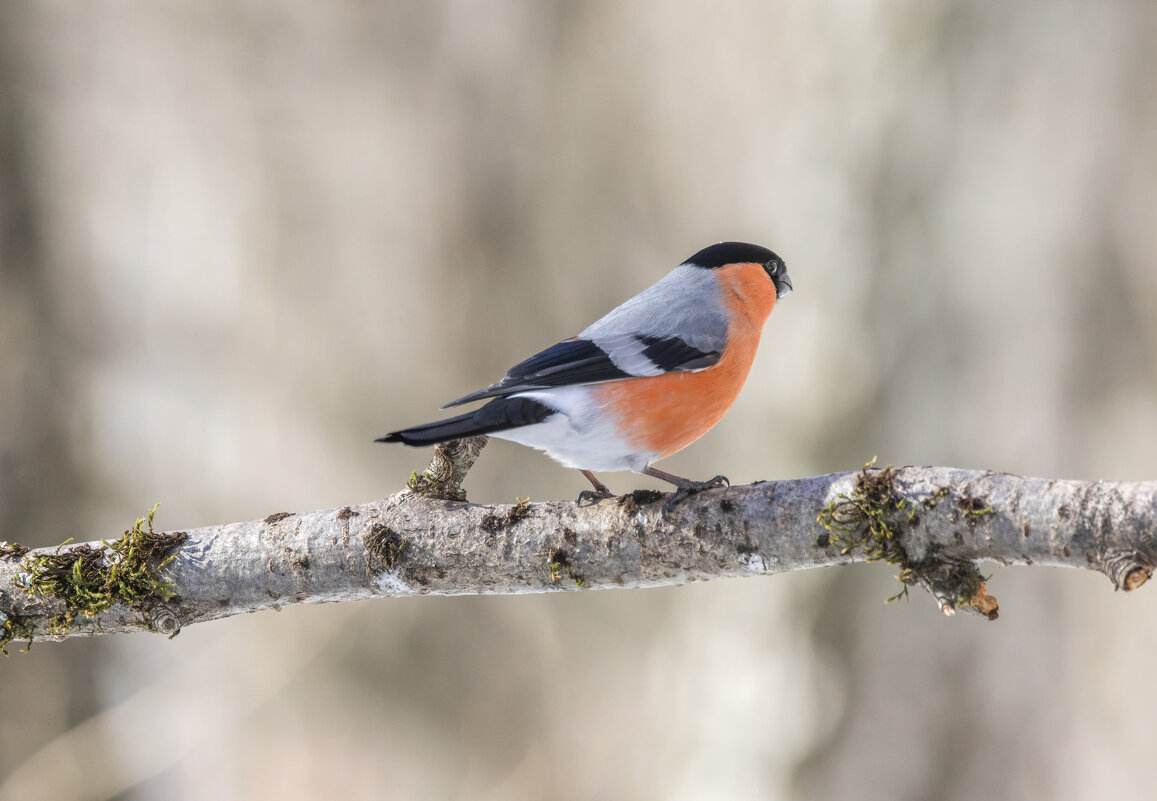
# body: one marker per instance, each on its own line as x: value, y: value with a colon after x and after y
x: 640, y: 384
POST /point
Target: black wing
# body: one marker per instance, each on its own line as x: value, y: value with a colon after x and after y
x: 671, y: 353
x: 583, y: 361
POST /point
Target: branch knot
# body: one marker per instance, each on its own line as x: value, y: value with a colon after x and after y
x: 163, y: 620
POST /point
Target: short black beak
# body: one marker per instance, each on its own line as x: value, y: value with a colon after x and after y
x: 782, y: 283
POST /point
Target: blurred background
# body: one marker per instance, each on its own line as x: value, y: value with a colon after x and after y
x: 239, y: 241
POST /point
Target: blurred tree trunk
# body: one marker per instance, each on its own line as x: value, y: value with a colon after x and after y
x: 39, y: 485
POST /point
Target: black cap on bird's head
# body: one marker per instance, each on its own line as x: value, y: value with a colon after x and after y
x: 725, y: 253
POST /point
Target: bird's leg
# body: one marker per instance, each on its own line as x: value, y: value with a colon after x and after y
x: 599, y: 493
x: 685, y: 486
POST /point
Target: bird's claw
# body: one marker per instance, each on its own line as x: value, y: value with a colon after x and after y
x: 693, y: 488
x: 714, y: 483
x: 591, y: 497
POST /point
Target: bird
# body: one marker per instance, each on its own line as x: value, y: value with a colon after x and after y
x: 642, y: 382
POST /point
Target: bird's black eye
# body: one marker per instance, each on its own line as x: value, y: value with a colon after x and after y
x: 772, y: 267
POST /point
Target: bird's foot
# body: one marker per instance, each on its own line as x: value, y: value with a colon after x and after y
x: 591, y: 497
x: 690, y: 488
x: 599, y: 493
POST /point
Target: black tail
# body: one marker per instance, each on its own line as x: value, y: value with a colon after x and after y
x: 498, y: 415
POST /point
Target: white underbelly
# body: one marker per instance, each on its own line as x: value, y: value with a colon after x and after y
x: 579, y: 435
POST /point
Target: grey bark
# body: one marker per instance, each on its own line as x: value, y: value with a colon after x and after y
x: 945, y: 521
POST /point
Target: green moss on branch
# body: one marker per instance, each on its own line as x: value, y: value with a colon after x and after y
x: 874, y: 520
x: 89, y: 580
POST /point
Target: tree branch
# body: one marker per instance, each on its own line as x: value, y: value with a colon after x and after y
x: 933, y: 523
